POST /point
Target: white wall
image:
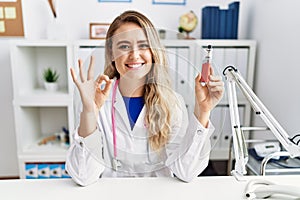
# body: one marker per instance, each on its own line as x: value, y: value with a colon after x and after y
x: 273, y: 24
x: 77, y: 15
x: 8, y: 152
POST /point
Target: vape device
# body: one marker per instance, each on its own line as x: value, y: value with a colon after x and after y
x: 206, y: 65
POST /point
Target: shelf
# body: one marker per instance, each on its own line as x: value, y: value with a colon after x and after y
x: 40, y: 43
x: 34, y: 122
x: 38, y: 91
x: 52, y: 148
x: 43, y: 98
x: 38, y: 112
x: 29, y: 63
x: 28, y: 158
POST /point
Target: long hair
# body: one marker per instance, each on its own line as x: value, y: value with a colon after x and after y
x: 158, y: 95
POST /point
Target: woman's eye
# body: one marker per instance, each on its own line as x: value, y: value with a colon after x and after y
x: 143, y: 46
x: 124, y: 47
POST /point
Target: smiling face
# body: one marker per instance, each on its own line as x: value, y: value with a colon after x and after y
x: 131, y: 52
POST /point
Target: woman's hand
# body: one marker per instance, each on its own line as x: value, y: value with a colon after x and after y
x: 92, y: 96
x: 207, y: 96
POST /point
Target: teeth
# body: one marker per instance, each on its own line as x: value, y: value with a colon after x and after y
x: 135, y: 65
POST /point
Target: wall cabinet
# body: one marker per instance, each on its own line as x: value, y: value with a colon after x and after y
x: 39, y: 113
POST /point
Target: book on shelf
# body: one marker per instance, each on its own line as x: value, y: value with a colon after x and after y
x: 220, y: 23
x: 215, y: 22
x: 210, y: 22
x: 206, y: 24
x: 229, y: 24
x: 222, y: 30
x: 235, y: 7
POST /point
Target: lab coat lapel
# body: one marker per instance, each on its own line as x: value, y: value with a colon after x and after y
x: 121, y: 112
x: 139, y: 129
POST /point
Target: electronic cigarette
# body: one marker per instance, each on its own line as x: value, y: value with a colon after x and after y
x: 206, y: 65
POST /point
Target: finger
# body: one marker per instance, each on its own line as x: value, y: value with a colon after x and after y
x: 107, y: 86
x: 215, y: 78
x: 198, y: 78
x: 91, y: 69
x: 198, y: 81
x: 107, y: 81
x: 80, y: 64
x: 215, y: 83
x: 74, y: 77
x: 102, y: 78
x: 219, y: 89
x: 216, y: 87
x: 211, y: 70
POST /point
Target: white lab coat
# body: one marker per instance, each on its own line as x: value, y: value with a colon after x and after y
x: 186, y: 154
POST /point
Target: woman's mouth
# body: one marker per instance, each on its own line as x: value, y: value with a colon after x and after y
x: 134, y: 65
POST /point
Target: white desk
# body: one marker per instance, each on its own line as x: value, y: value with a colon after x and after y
x: 206, y: 188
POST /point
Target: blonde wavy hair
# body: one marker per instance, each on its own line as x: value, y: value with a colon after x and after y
x: 158, y: 96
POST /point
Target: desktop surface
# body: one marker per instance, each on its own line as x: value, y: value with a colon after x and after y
x: 206, y: 187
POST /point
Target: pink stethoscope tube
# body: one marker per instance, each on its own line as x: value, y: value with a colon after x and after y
x: 113, y: 118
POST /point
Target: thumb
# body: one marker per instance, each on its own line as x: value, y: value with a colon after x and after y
x: 198, y: 77
x: 107, y: 86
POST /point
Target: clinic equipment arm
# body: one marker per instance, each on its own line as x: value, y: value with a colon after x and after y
x: 233, y: 78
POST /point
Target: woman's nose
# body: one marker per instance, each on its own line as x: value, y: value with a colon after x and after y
x: 134, y: 53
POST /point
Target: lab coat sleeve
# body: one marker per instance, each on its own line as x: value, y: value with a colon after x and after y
x: 84, y: 161
x: 189, y: 146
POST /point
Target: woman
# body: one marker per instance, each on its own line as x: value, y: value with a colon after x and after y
x: 132, y: 124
